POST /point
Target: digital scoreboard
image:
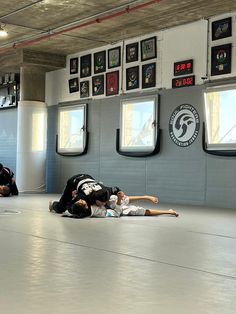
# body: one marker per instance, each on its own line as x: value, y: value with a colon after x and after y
x: 183, y: 81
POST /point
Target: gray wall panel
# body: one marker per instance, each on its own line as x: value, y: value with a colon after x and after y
x: 176, y: 175
x: 221, y: 181
x: 51, y: 169
x: 128, y: 174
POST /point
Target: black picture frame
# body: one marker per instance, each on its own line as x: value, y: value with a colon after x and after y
x: 114, y: 57
x: 85, y: 66
x: 148, y: 48
x: 132, y: 78
x: 74, y: 85
x: 221, y: 28
x: 84, y: 89
x: 99, y: 62
x: 221, y: 59
x: 112, y: 83
x: 98, y: 85
x: 73, y: 65
x: 149, y: 75
x: 132, y: 52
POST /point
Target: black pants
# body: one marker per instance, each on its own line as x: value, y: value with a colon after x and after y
x: 14, y: 189
x: 66, y: 197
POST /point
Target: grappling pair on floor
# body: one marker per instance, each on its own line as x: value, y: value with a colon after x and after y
x: 84, y: 197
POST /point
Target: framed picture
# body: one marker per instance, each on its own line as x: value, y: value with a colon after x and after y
x: 148, y: 48
x: 73, y: 65
x: 221, y: 59
x: 149, y: 75
x: 132, y: 78
x: 114, y: 58
x: 221, y: 28
x: 84, y: 89
x: 74, y: 85
x: 85, y: 66
x: 99, y: 62
x: 112, y: 83
x: 132, y: 52
x: 98, y: 85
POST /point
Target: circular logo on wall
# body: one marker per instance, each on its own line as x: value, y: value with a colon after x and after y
x: 184, y: 125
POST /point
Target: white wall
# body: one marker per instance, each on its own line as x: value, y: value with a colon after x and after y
x: 185, y: 42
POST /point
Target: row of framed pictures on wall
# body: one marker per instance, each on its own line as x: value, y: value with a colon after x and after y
x: 109, y: 84
x: 113, y: 58
x: 144, y: 75
x: 112, y: 85
x: 221, y: 55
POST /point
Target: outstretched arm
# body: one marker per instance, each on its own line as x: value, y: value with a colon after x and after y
x: 149, y: 198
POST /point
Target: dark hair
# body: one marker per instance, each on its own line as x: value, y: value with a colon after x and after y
x: 1, y: 167
x: 101, y: 195
x: 115, y: 190
x: 80, y: 211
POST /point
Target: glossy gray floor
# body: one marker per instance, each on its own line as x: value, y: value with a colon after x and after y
x: 135, y: 265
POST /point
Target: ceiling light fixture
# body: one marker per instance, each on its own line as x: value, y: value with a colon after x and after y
x: 3, y: 32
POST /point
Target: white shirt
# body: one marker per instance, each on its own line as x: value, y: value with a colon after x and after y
x: 102, y: 212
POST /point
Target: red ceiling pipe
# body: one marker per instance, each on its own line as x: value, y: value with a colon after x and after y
x: 98, y: 20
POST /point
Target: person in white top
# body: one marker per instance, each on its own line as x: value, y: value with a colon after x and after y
x: 128, y: 209
x: 81, y: 209
x: 118, y: 205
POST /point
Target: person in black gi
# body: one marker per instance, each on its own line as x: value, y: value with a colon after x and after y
x: 83, y: 186
x: 7, y: 179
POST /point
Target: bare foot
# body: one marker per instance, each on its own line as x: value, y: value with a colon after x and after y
x: 50, y: 208
x: 152, y: 199
x: 173, y: 213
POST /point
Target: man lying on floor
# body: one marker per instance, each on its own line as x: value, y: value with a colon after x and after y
x: 118, y: 205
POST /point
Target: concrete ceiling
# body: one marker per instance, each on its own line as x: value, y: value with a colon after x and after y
x: 64, y: 27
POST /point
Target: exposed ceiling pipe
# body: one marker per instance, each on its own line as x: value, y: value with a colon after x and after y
x: 21, y: 9
x: 101, y: 19
x: 65, y: 25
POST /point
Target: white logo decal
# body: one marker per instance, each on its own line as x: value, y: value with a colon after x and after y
x: 184, y: 125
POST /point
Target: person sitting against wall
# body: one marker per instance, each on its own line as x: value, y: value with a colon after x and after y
x: 119, y: 206
x: 83, y: 186
x: 7, y: 179
x: 4, y: 190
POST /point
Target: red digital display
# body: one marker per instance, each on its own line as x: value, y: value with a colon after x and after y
x: 183, y: 67
x: 183, y: 81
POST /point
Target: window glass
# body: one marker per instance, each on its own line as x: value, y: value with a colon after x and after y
x: 220, y: 110
x: 71, y: 135
x: 138, y: 120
